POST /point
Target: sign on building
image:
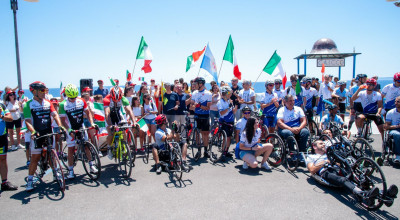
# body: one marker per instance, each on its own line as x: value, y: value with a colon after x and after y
x: 330, y: 62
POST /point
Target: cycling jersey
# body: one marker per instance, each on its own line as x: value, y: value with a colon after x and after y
x: 116, y: 109
x: 73, y: 112
x: 246, y: 95
x: 370, y: 102
x: 391, y: 92
x: 309, y: 94
x: 280, y: 94
x: 271, y: 109
x: 39, y: 113
x: 4, y: 112
x: 291, y: 117
x: 393, y: 116
x: 343, y: 94
x: 298, y: 99
x: 354, y: 90
x: 159, y: 134
x: 327, y: 118
x: 222, y: 106
x: 240, y: 125
x: 203, y: 97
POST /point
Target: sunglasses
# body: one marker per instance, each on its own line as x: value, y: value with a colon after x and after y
x: 370, y: 84
x: 270, y: 84
x: 246, y: 113
x: 42, y: 90
x: 293, y: 80
x: 277, y: 83
x: 11, y: 94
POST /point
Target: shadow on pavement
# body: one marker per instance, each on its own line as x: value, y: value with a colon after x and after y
x: 341, y: 195
x: 110, y: 175
x: 49, y: 190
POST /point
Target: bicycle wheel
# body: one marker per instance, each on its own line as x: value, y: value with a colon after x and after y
x: 362, y: 148
x: 57, y: 169
x: 131, y: 143
x: 124, y: 157
x: 313, y: 129
x: 217, y: 146
x: 292, y: 155
x: 95, y: 161
x: 264, y: 133
x: 64, y: 156
x: 195, y: 140
x: 366, y: 175
x: 183, y: 133
x: 277, y: 156
x: 177, y: 165
x: 147, y: 151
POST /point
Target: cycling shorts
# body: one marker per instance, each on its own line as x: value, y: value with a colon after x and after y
x: 377, y: 119
x: 3, y: 145
x: 342, y: 108
x: 39, y: 142
x: 358, y: 107
x: 203, y: 124
x: 228, y: 128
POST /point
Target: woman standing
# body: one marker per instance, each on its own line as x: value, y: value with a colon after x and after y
x: 15, y: 108
x: 214, y: 113
x: 149, y: 114
x: 137, y: 110
x: 250, y: 147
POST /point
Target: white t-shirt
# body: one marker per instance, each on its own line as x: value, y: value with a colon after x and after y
x: 324, y: 91
x: 137, y: 111
x: 151, y: 107
x: 246, y: 95
x: 291, y: 117
x: 316, y: 158
x: 256, y: 137
x: 391, y: 92
x: 17, y: 114
x: 280, y: 94
x: 370, y: 102
x: 309, y: 94
x: 393, y: 116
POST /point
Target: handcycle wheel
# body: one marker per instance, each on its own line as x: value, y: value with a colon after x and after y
x: 313, y: 129
x: 264, y: 133
x: 131, y: 143
x: 366, y: 175
x: 95, y: 160
x: 124, y: 157
x: 57, y: 169
x: 177, y: 165
x: 326, y: 139
x: 183, y: 132
x: 362, y: 148
x: 195, y: 140
x: 277, y: 155
x: 217, y: 146
x: 292, y: 155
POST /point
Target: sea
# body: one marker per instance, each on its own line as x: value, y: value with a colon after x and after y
x: 259, y: 87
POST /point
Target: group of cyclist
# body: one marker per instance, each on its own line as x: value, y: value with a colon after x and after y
x: 285, y: 111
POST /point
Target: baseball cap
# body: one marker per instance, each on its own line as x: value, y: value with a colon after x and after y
x: 86, y: 89
x: 21, y: 91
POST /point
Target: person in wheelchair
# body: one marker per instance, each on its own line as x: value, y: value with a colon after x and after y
x: 318, y: 164
x: 162, y: 134
x: 333, y: 117
x: 393, y: 125
x: 292, y: 122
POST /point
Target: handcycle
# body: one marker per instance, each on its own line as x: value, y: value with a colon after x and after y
x: 217, y: 144
x: 171, y: 159
x: 85, y: 152
x: 312, y: 125
x: 49, y: 157
x: 363, y: 172
x: 387, y: 157
x: 191, y: 134
x: 281, y: 152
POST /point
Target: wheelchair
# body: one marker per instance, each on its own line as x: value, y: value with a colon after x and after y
x: 387, y: 156
x: 363, y: 172
x: 281, y: 152
x: 171, y: 159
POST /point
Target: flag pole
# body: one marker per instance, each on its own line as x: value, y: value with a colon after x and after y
x: 258, y: 76
x: 219, y: 72
x: 201, y: 62
x: 133, y: 71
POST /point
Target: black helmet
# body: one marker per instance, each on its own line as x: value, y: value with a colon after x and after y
x: 331, y: 107
x: 278, y: 81
x: 200, y: 80
x: 361, y: 75
x: 36, y: 85
x: 246, y: 109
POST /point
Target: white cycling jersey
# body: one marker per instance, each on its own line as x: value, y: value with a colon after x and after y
x: 391, y: 92
x: 370, y: 102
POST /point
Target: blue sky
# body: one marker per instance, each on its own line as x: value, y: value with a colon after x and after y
x: 69, y: 40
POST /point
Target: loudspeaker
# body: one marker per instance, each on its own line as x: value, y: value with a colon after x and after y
x: 87, y: 83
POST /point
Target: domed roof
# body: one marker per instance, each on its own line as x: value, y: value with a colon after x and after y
x: 324, y: 46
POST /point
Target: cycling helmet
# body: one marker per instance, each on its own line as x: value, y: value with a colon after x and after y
x: 246, y: 109
x: 116, y: 93
x: 278, y: 81
x: 161, y: 119
x: 71, y: 91
x: 226, y: 89
x: 396, y: 76
x: 361, y: 75
x: 270, y: 81
x: 371, y: 81
x: 341, y: 82
x: 331, y: 107
x: 36, y: 85
x: 306, y: 79
x: 200, y: 80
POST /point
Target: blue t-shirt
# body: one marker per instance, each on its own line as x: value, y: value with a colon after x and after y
x: 103, y: 92
x: 182, y: 106
x: 169, y: 103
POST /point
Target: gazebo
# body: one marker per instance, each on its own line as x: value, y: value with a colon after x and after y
x: 325, y: 51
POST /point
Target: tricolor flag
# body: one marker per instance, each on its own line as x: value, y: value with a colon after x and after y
x: 141, y: 78
x: 112, y: 81
x: 193, y: 58
x: 209, y: 64
x: 60, y: 85
x: 128, y: 76
x: 231, y: 57
x: 143, y: 125
x: 275, y: 69
x: 99, y: 114
x: 144, y: 53
x: 323, y: 72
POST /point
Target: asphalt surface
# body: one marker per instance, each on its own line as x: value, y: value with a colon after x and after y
x: 221, y: 191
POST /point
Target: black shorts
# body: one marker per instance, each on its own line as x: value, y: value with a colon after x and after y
x: 358, y: 107
x: 15, y: 123
x: 377, y: 119
x: 3, y: 145
x: 203, y: 124
x: 40, y: 142
x: 228, y: 128
x: 309, y: 114
x: 342, y: 108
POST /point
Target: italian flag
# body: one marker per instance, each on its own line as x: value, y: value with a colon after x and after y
x: 112, y: 81
x: 143, y: 125
x: 144, y: 53
x: 141, y: 78
x: 275, y: 69
x: 99, y: 114
x: 193, y: 58
x: 323, y: 72
x: 128, y: 76
x: 231, y: 57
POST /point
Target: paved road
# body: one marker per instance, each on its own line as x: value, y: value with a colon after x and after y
x: 222, y: 191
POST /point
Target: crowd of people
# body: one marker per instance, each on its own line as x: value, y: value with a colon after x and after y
x: 163, y: 107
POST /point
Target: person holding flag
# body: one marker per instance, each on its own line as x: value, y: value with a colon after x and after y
x: 295, y: 90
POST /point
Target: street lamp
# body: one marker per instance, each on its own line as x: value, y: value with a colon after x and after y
x: 14, y: 8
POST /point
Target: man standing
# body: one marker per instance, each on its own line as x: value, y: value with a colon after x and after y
x: 184, y: 100
x: 247, y: 96
x: 235, y: 93
x: 291, y: 90
x: 101, y: 90
x: 170, y: 103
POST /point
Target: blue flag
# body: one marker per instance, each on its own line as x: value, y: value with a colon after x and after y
x: 209, y: 64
